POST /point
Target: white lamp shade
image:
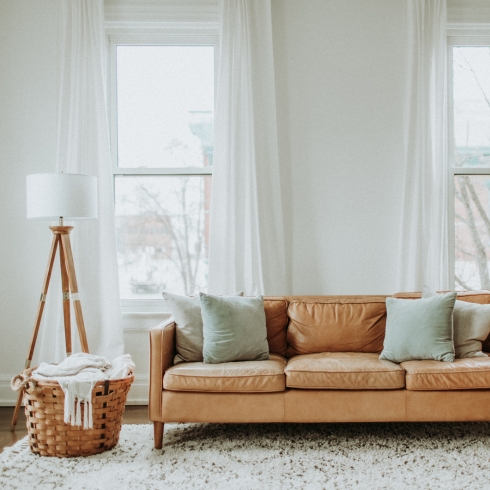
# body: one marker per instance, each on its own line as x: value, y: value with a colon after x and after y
x: 70, y: 196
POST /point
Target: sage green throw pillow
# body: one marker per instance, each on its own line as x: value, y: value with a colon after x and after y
x: 186, y: 311
x: 419, y: 329
x: 234, y: 329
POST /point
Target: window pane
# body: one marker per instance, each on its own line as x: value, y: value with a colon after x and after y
x: 162, y: 226
x: 471, y: 92
x: 472, y: 232
x: 165, y: 103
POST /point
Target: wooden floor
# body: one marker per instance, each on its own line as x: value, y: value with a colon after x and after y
x: 134, y: 414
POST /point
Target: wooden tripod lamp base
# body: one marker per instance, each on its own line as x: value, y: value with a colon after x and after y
x: 69, y: 287
x: 51, y: 196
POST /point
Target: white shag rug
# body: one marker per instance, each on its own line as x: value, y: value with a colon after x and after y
x: 269, y: 456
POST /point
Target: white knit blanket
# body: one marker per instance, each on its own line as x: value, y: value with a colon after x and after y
x: 77, y: 376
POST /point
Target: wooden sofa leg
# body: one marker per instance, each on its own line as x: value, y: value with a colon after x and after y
x: 158, y: 434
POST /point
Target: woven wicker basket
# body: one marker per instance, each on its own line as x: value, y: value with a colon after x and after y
x: 48, y: 433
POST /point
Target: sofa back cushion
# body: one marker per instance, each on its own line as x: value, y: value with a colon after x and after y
x: 336, y: 324
x: 276, y: 320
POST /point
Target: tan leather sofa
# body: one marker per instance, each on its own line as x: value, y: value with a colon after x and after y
x: 323, y: 367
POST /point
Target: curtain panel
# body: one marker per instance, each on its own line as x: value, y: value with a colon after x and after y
x: 423, y: 257
x: 83, y: 147
x: 247, y: 250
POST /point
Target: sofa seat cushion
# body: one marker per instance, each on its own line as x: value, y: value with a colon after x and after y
x: 462, y: 374
x: 343, y: 371
x: 228, y: 377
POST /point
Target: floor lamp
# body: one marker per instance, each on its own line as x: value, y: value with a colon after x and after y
x: 52, y: 197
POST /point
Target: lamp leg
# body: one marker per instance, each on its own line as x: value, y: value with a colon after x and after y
x: 16, y: 410
x: 40, y: 309
x: 66, y: 301
x: 72, y: 279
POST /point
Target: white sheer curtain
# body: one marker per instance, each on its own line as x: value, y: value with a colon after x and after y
x: 247, y: 234
x: 424, y: 239
x: 83, y: 147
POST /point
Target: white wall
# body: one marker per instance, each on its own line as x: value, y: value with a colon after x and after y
x: 468, y: 11
x: 28, y: 108
x: 340, y: 84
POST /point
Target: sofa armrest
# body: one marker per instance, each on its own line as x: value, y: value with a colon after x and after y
x: 162, y: 351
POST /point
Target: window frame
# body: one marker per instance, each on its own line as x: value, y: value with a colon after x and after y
x: 458, y: 37
x: 160, y: 39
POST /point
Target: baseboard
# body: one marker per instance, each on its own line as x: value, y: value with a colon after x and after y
x: 8, y: 398
x: 138, y: 394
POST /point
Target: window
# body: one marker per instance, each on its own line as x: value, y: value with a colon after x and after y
x: 162, y: 124
x: 469, y: 153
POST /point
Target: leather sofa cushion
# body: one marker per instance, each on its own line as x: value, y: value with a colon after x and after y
x: 228, y: 377
x: 276, y: 321
x: 462, y: 374
x: 336, y: 324
x: 344, y: 371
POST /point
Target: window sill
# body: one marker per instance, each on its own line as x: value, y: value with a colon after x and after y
x: 156, y: 306
x: 139, y: 318
x: 142, y: 322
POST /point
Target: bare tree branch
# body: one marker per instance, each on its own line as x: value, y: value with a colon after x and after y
x: 461, y: 219
x: 478, y: 204
x: 182, y: 229
x: 465, y: 252
x: 476, y: 80
x: 481, y: 257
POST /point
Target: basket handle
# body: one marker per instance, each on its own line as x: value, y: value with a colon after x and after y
x: 21, y: 382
